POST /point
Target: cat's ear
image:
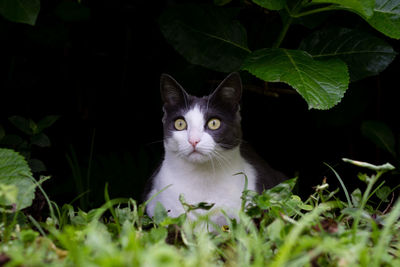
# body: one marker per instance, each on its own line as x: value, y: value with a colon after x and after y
x: 229, y: 91
x: 172, y: 93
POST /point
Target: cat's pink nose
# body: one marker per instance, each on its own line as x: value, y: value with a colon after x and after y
x: 194, y: 142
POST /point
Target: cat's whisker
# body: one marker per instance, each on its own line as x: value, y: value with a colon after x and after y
x: 212, y: 165
x: 224, y: 162
x: 218, y: 160
x: 181, y: 153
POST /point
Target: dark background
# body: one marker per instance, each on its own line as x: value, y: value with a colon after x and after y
x: 98, y: 65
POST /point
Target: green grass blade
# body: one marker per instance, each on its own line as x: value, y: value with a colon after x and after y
x: 49, y: 203
x: 342, y: 184
x: 386, y: 235
x: 111, y: 208
x: 37, y: 225
x: 285, y: 251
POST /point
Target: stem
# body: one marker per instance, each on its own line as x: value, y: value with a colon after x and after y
x: 283, y: 32
x: 292, y: 14
x: 364, y: 201
x: 317, y: 10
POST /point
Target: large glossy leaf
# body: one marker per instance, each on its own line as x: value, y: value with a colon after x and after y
x: 271, y: 4
x: 362, y: 7
x: 380, y: 134
x: 206, y: 35
x: 365, y: 54
x: 14, y: 170
x: 322, y: 83
x: 23, y: 11
x: 386, y: 17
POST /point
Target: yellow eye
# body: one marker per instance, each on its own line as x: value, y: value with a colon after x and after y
x: 214, y: 124
x: 180, y: 124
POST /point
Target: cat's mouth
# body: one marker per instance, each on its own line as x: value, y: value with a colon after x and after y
x: 196, y: 155
x: 195, y: 152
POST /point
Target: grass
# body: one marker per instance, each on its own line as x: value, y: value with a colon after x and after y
x: 276, y: 228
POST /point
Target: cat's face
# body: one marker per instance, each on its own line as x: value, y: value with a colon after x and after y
x: 201, y: 129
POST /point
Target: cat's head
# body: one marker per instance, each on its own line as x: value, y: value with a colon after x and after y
x: 199, y: 129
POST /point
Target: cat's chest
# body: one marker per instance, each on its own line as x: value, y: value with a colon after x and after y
x: 222, y: 186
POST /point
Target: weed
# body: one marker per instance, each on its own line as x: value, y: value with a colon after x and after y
x: 275, y: 228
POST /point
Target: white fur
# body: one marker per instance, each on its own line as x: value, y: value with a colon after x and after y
x: 204, y: 175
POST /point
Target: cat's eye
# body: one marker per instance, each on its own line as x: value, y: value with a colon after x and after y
x: 180, y: 124
x: 214, y: 124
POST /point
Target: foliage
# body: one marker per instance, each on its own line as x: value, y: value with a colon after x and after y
x: 320, y: 83
x: 17, y: 189
x: 213, y: 37
x: 275, y: 228
x: 23, y: 11
x: 379, y: 133
x: 219, y: 33
x: 32, y: 136
x: 364, y: 54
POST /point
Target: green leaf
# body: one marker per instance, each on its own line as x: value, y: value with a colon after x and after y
x: 364, y: 54
x: 378, y: 168
x: 322, y: 83
x: 271, y: 4
x: 202, y: 206
x: 275, y: 195
x: 386, y: 17
x: 14, y: 170
x: 22, y: 11
x: 159, y: 213
x: 356, y: 197
x: 363, y: 177
x: 37, y: 165
x: 275, y: 230
x: 11, y: 140
x: 176, y: 220
x: 383, y: 193
x: 41, y: 140
x: 380, y: 134
x: 33, y: 126
x: 46, y: 122
x: 305, y: 207
x: 8, y: 195
x: 28, y: 235
x: 158, y: 234
x: 22, y: 124
x: 206, y: 35
x: 362, y: 7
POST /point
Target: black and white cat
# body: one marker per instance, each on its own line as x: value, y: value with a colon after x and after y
x: 204, y: 150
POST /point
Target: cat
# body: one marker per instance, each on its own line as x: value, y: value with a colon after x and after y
x: 204, y: 150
